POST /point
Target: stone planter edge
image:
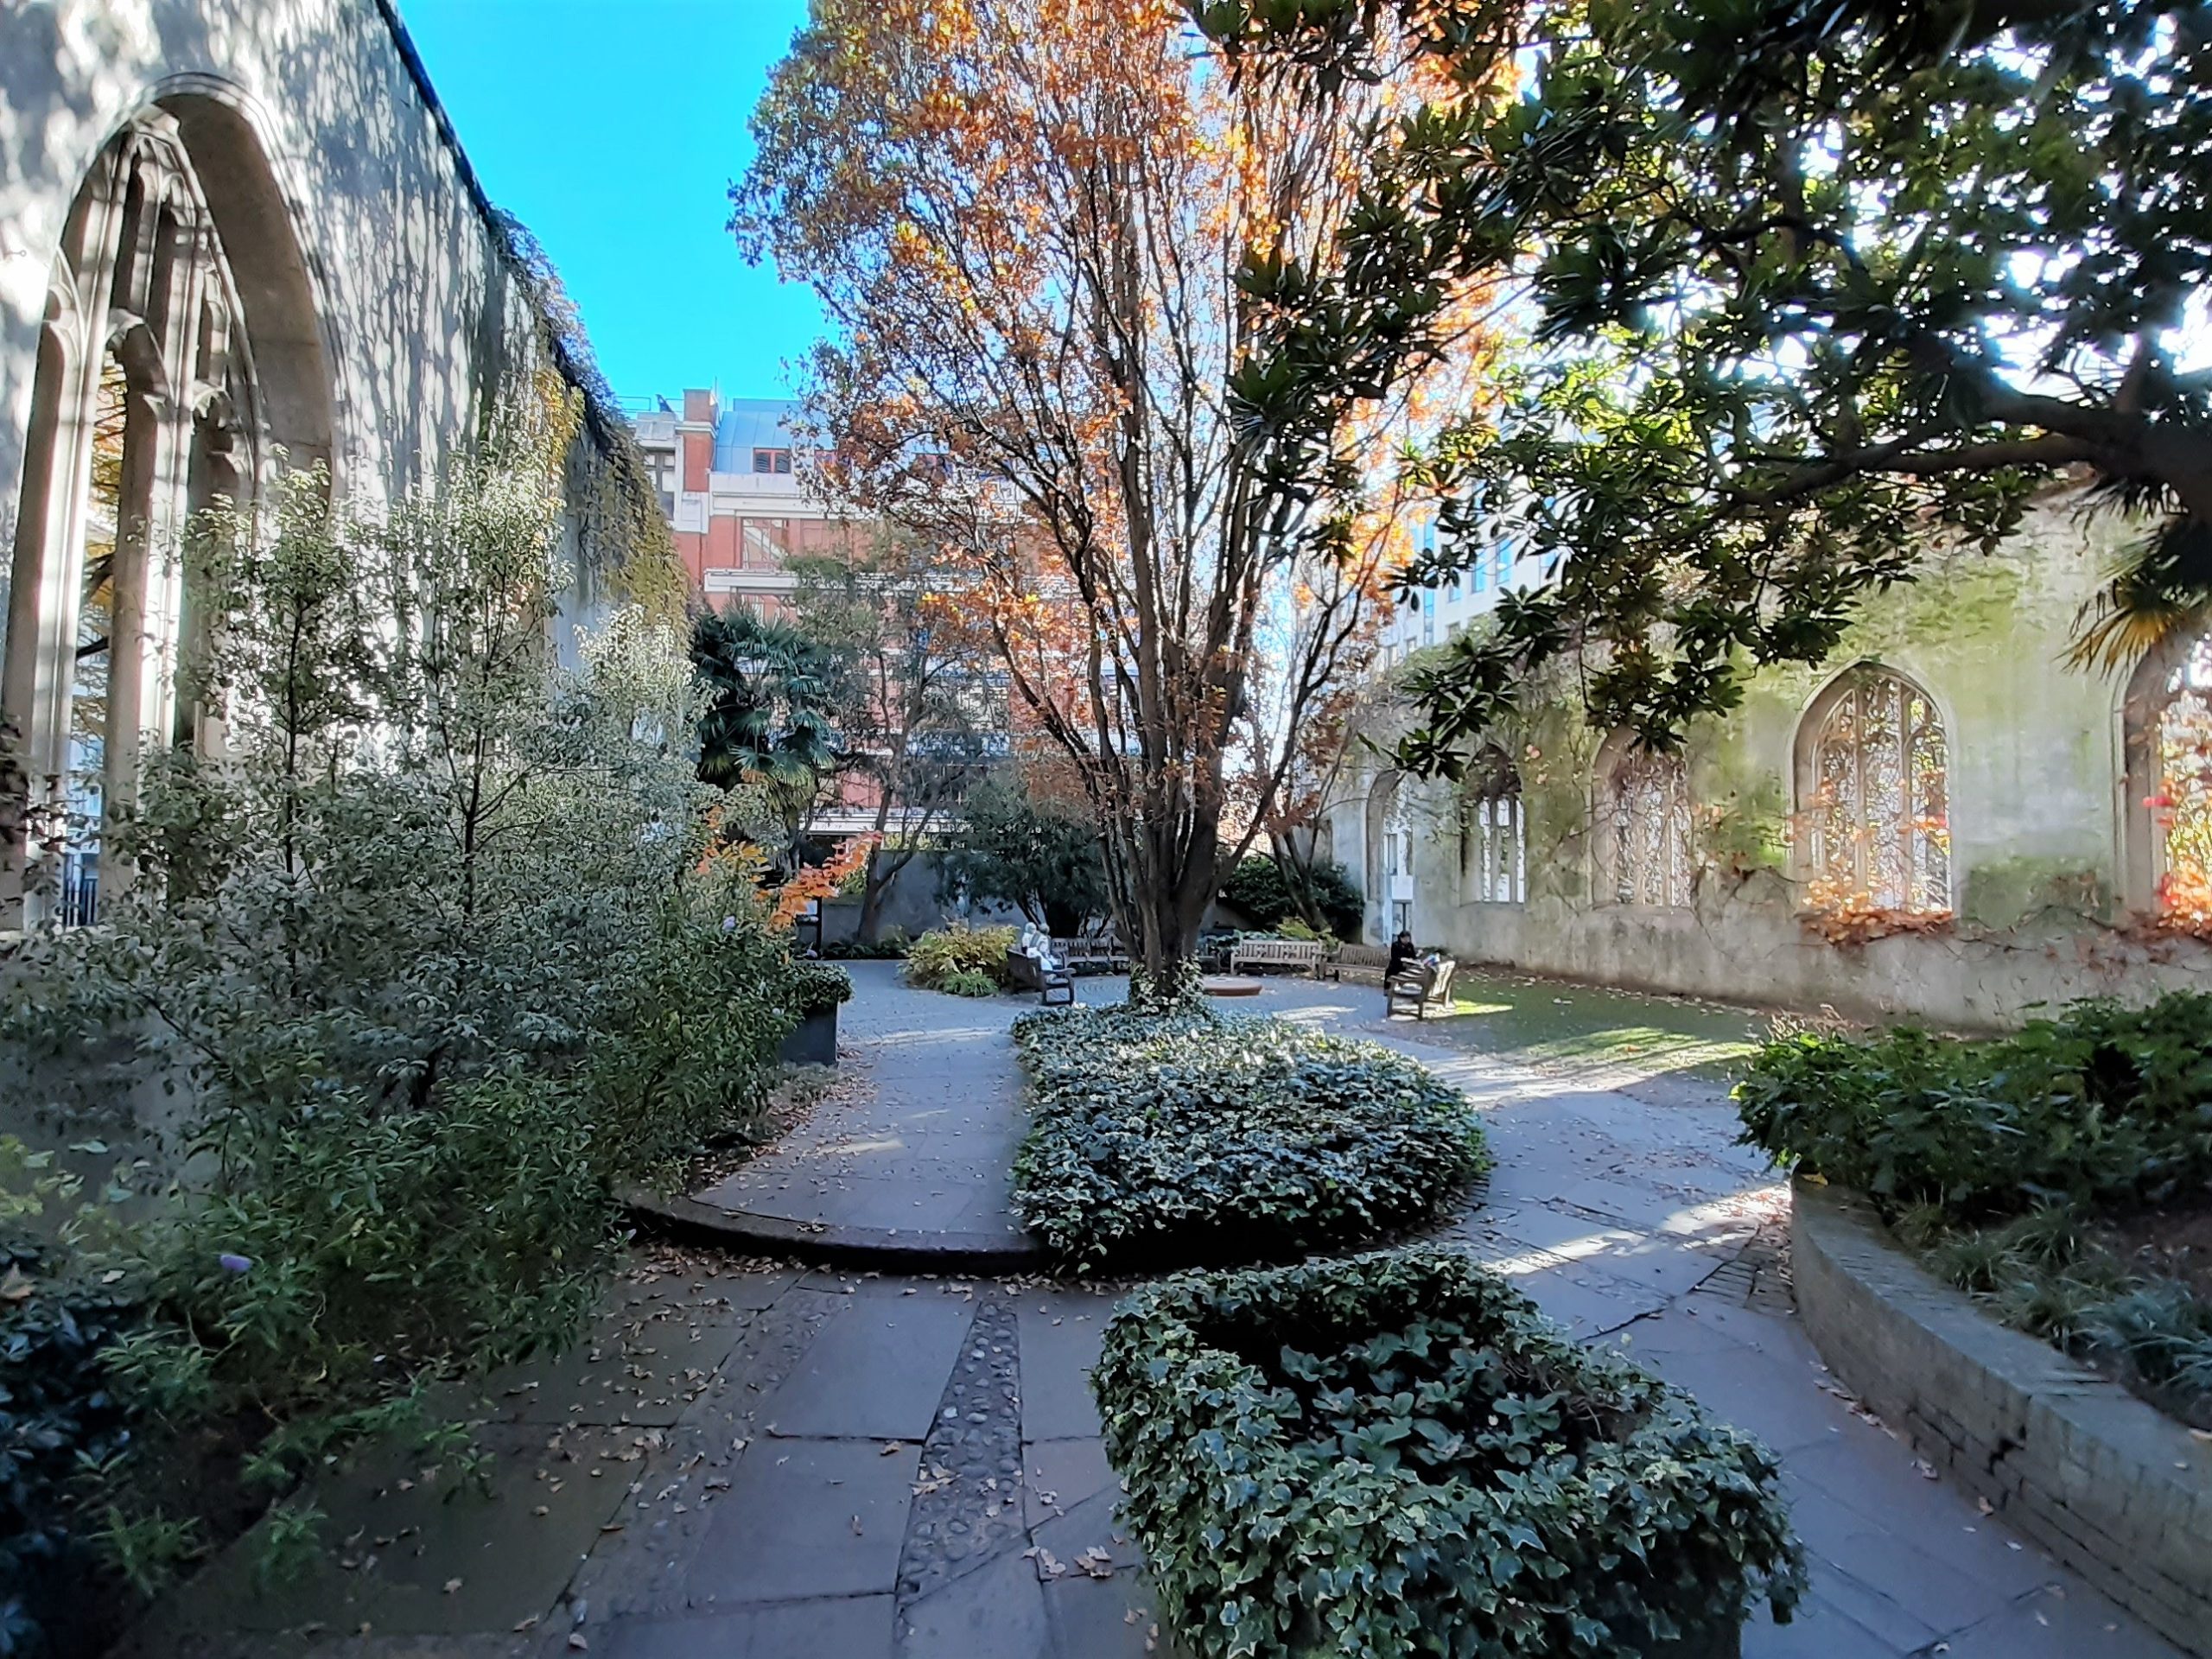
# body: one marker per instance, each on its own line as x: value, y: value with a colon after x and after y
x: 2116, y: 1490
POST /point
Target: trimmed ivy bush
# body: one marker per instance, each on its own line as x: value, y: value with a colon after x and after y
x: 1188, y: 1136
x: 819, y: 987
x: 1396, y: 1454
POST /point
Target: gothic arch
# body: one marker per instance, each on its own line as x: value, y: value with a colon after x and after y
x: 179, y: 351
x: 1872, y: 766
x: 2166, y: 748
x: 1493, y: 831
x: 1383, y: 826
x: 1640, y: 842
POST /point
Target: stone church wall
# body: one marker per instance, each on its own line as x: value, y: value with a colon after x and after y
x: 2051, y: 878
x: 256, y: 214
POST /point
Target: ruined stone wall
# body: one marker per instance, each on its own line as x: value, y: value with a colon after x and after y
x: 384, y: 305
x: 2044, y: 827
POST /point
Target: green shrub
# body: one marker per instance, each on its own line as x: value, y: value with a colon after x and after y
x: 430, y: 959
x: 1999, y: 1160
x: 372, y: 1248
x: 1396, y: 1454
x: 1192, y: 1137
x: 2104, y: 1108
x: 968, y: 981
x: 942, y: 952
x: 687, y: 1047
x: 892, y: 947
x: 818, y: 987
x: 60, y: 1415
x: 1259, y: 889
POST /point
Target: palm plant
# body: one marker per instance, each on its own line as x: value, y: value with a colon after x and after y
x: 772, y: 692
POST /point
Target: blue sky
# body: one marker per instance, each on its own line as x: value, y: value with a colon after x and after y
x: 612, y: 128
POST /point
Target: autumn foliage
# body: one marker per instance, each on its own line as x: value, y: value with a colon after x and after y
x: 1060, y: 240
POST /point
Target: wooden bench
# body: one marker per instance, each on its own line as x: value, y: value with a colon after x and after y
x: 1092, y: 955
x: 1297, y: 955
x: 1362, y: 962
x: 1050, y: 979
x: 1422, y: 988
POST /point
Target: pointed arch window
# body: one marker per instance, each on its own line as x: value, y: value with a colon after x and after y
x: 1493, y: 832
x: 1643, y: 827
x: 1874, y: 787
x: 146, y: 406
x: 2174, y: 694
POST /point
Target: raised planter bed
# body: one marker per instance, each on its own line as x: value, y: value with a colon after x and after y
x: 2110, y: 1486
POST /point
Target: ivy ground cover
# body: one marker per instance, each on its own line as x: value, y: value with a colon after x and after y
x: 1192, y: 1137
x: 1396, y: 1454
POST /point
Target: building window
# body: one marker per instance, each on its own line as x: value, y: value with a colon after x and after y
x: 1872, y: 779
x: 772, y: 460
x: 1643, y: 827
x: 1493, y: 833
x: 766, y: 544
x: 1401, y: 916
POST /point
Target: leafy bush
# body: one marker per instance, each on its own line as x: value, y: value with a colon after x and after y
x: 688, y: 1043
x: 2004, y: 1161
x: 60, y: 1416
x: 431, y: 956
x: 1190, y: 1136
x: 968, y: 981
x: 1397, y: 1454
x: 938, y: 955
x: 373, y: 1247
x: 1259, y: 889
x: 2104, y: 1107
x: 818, y: 987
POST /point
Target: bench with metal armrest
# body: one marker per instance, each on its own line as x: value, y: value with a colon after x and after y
x: 1421, y: 988
x: 1050, y: 978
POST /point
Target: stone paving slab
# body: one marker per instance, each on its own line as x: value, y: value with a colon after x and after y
x: 918, y: 1140
x: 734, y: 1540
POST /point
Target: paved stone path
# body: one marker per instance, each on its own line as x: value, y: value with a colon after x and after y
x: 922, y: 1146
x: 749, y: 1460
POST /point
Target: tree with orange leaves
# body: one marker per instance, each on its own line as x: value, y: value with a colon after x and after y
x: 1066, y: 248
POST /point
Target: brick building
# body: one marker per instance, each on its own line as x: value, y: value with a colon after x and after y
x: 728, y: 484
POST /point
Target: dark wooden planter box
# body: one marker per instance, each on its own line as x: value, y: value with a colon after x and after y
x: 814, y: 1042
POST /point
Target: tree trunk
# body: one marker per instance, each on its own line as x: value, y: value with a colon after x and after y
x: 1297, y: 868
x: 882, y: 870
x: 1173, y: 884
x: 873, y: 885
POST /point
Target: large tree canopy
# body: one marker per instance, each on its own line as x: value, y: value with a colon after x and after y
x: 1058, y: 244
x: 1810, y: 290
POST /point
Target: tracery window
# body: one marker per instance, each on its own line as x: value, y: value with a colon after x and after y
x: 146, y: 404
x: 1643, y: 825
x: 1493, y: 833
x: 2181, y: 801
x: 1875, y: 797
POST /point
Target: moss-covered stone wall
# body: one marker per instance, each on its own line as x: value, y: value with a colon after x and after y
x: 2041, y: 821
